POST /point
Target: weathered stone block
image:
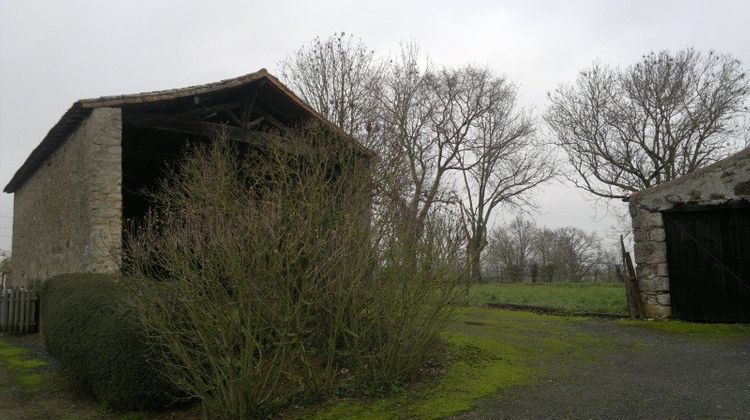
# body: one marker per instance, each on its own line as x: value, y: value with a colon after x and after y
x: 663, y: 299
x: 657, y: 311
x: 661, y: 269
x: 640, y: 235
x: 647, y: 219
x: 650, y: 252
x: 653, y: 284
x: 648, y: 298
x: 656, y: 234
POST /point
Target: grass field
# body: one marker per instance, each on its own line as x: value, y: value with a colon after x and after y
x: 569, y: 297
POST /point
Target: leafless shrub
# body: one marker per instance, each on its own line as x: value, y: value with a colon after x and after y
x: 259, y: 282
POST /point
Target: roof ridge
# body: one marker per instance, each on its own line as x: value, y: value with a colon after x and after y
x: 168, y: 94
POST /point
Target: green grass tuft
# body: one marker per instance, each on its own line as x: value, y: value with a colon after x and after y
x: 22, y: 368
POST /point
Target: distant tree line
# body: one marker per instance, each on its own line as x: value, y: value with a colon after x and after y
x: 520, y: 251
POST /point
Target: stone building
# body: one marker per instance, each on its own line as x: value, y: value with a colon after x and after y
x: 692, y: 243
x: 75, y: 192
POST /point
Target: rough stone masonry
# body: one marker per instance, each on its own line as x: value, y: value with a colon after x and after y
x: 67, y: 215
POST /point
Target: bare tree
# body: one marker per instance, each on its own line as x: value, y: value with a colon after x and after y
x: 511, y: 248
x: 5, y: 267
x: 578, y: 252
x: 340, y: 77
x: 745, y: 130
x: 4, y: 261
x: 609, y: 262
x: 415, y: 118
x: 429, y: 119
x: 545, y: 253
x: 406, y: 112
x: 500, y: 257
x: 669, y: 114
x: 500, y: 165
x: 431, y: 128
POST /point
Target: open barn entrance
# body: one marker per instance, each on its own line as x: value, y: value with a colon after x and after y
x: 708, y: 256
x: 157, y: 135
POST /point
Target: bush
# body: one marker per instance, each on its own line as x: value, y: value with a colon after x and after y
x: 264, y: 282
x: 98, y: 343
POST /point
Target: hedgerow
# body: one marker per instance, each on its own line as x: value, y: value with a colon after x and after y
x: 99, y: 344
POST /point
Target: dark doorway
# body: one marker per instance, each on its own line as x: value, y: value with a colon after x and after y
x: 708, y: 255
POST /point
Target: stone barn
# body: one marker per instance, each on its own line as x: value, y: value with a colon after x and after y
x: 76, y: 192
x: 692, y: 244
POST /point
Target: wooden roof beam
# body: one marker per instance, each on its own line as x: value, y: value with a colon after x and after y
x: 200, y: 128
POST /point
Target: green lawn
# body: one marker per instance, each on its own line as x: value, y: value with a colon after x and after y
x: 569, y: 297
x: 489, y: 350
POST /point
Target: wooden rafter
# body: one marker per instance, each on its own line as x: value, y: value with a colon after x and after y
x: 247, y: 108
x: 203, y: 111
x: 271, y: 119
x: 200, y: 128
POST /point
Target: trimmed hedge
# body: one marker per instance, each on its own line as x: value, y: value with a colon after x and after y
x: 86, y: 327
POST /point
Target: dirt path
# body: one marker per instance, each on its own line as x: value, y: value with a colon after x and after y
x: 649, y: 373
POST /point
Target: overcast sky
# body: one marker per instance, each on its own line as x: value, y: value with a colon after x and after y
x: 53, y: 52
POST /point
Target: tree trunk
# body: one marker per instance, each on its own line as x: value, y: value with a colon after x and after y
x: 474, y: 248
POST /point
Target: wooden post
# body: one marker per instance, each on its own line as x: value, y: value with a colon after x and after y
x: 12, y: 311
x: 22, y: 323
x: 631, y: 286
x: 26, y: 314
x: 3, y: 310
x: 31, y: 312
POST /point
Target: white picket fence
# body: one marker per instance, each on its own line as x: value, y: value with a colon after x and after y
x: 18, y: 311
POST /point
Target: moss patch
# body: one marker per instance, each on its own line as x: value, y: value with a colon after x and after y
x: 489, y: 350
x: 698, y: 330
x: 23, y: 370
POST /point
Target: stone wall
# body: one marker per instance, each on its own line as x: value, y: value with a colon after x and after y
x: 67, y: 214
x: 651, y: 262
x: 725, y: 181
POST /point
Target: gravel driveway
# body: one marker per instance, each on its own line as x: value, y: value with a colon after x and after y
x: 647, y: 373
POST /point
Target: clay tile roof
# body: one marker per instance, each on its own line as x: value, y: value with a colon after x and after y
x: 171, y: 94
x: 81, y: 108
